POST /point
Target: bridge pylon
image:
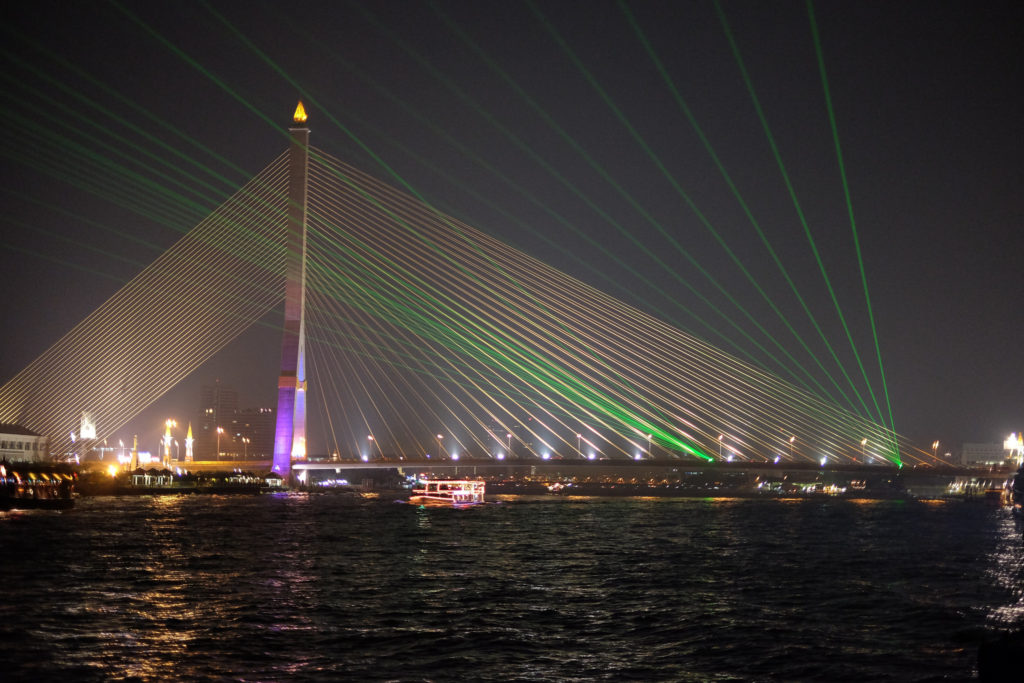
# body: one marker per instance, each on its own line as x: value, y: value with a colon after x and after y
x: 290, y: 432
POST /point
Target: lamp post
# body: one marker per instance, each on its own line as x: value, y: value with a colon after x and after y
x: 863, y: 451
x: 579, y: 444
x: 791, y: 440
x: 649, y: 453
x: 509, y: 437
x: 245, y: 448
x: 369, y: 437
x: 935, y: 449
x: 440, y: 450
x: 220, y: 430
x: 177, y: 451
x: 720, y: 437
x: 170, y: 424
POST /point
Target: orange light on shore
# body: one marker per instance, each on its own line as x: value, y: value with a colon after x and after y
x: 300, y: 113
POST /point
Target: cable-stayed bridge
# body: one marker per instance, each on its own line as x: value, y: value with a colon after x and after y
x: 401, y: 321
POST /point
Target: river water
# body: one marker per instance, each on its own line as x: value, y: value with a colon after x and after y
x: 318, y: 587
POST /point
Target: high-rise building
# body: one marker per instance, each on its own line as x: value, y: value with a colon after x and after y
x: 252, y: 434
x: 217, y: 408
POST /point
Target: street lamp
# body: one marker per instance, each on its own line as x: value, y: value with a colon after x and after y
x: 170, y: 423
x: 579, y: 444
x: 720, y: 437
x: 245, y: 448
x: 863, y: 451
x: 369, y: 437
x: 440, y: 450
x: 220, y: 430
x: 791, y: 440
x: 509, y: 436
x: 649, y: 454
x: 935, y: 449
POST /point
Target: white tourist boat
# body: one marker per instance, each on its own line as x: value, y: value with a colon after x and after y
x: 450, y: 492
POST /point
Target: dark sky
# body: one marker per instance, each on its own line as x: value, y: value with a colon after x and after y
x: 478, y: 106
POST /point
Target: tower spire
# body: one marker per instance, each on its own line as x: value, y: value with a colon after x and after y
x: 290, y: 433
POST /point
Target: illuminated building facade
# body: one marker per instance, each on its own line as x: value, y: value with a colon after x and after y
x: 18, y: 444
x: 983, y: 454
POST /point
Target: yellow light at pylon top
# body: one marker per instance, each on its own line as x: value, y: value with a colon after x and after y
x: 300, y: 113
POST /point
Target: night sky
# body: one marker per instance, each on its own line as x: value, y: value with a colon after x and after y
x: 485, y: 109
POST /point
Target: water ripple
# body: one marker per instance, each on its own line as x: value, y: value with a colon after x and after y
x: 313, y: 587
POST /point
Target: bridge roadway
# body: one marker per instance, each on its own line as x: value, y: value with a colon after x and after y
x: 599, y: 468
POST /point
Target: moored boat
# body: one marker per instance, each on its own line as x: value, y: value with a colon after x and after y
x: 448, y: 492
x: 25, y: 486
x: 1016, y: 493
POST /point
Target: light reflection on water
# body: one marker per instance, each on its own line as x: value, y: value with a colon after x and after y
x: 312, y: 587
x: 1006, y: 569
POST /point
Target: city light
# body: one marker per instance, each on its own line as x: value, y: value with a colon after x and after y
x: 1014, y: 444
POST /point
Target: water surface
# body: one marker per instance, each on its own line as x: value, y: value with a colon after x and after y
x: 316, y: 587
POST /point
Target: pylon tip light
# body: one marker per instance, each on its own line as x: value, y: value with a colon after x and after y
x: 300, y: 113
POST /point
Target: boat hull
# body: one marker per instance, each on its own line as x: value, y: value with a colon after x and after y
x: 449, y: 493
x: 441, y: 502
